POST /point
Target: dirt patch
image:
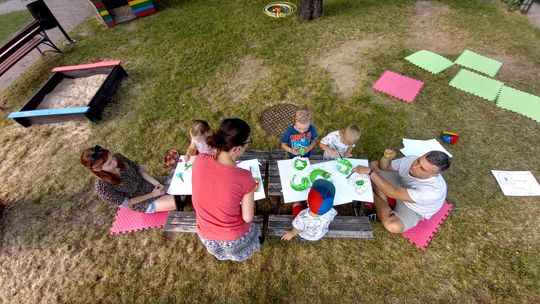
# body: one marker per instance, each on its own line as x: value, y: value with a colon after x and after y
x: 515, y: 69
x: 344, y: 64
x: 32, y: 156
x: 427, y: 32
x: 251, y: 71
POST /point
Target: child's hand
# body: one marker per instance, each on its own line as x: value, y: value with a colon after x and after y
x: 294, y: 151
x: 348, y: 154
x: 158, y: 192
x: 288, y: 236
x: 187, y: 157
x: 389, y: 153
x: 334, y: 153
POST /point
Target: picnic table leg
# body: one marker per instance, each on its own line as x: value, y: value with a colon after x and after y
x: 275, y: 200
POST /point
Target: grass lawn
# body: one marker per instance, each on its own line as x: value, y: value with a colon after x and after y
x: 10, y: 23
x: 215, y: 59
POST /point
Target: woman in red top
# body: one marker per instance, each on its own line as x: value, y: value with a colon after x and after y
x: 223, y: 195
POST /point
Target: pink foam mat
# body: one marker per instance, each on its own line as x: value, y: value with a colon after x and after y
x: 399, y: 86
x: 128, y: 220
x: 421, y: 234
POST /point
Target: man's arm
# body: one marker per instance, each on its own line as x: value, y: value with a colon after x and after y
x: 384, y: 186
x: 386, y: 161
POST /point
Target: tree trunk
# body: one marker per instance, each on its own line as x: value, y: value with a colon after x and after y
x: 310, y: 9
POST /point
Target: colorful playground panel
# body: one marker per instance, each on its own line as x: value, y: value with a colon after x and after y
x: 399, y: 86
x: 476, y: 84
x: 479, y: 63
x: 429, y: 61
x: 520, y: 102
x: 139, y: 8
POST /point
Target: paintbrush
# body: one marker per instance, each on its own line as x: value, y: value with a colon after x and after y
x: 352, y: 172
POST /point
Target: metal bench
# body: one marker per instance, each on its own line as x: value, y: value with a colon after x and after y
x: 184, y: 221
x: 341, y: 226
x: 22, y: 43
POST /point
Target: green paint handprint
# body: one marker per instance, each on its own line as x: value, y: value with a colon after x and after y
x: 303, y: 185
x: 319, y: 172
x: 343, y: 165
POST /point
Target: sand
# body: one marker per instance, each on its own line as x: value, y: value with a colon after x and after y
x: 70, y: 93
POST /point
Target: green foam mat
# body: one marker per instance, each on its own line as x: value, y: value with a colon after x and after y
x: 479, y: 63
x: 429, y: 61
x: 520, y: 102
x: 476, y: 84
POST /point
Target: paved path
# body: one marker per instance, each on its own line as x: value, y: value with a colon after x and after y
x: 68, y: 12
x: 534, y: 14
x: 12, y: 6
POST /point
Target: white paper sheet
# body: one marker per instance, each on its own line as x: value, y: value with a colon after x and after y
x: 256, y: 173
x: 346, y: 189
x: 517, y: 183
x: 420, y: 147
x: 181, y: 181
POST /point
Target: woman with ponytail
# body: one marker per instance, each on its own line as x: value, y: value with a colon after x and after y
x: 122, y: 182
x: 223, y: 196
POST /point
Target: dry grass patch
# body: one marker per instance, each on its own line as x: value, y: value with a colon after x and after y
x: 347, y: 64
x: 31, y: 156
x: 427, y: 30
x: 251, y: 72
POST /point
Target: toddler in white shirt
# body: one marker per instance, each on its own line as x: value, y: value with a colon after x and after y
x: 312, y: 223
x: 340, y: 143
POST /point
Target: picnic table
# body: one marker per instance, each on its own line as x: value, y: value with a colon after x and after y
x: 342, y: 226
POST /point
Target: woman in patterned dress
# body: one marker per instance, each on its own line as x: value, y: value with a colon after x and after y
x: 122, y: 182
x: 223, y: 196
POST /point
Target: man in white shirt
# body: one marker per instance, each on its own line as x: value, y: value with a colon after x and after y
x: 415, y: 182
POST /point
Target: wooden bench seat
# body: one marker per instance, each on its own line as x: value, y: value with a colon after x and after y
x: 357, y: 227
x: 22, y: 43
x: 184, y: 221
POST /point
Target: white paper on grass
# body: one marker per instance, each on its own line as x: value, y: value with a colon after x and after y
x: 182, y: 186
x: 256, y: 173
x: 517, y: 183
x: 185, y: 186
x: 345, y: 192
x: 420, y: 147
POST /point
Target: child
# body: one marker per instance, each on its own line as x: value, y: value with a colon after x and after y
x: 299, y: 139
x: 340, y: 143
x: 200, y: 130
x: 312, y: 223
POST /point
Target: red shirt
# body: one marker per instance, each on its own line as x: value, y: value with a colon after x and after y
x: 218, y: 190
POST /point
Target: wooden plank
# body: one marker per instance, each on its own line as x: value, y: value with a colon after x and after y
x: 19, y: 54
x: 87, y: 66
x: 341, y: 226
x: 48, y: 112
x: 185, y: 221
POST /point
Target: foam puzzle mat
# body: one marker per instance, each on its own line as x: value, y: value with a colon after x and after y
x: 476, y: 84
x: 429, y: 61
x: 479, y: 63
x: 128, y: 220
x: 422, y: 234
x: 520, y: 102
x: 399, y: 86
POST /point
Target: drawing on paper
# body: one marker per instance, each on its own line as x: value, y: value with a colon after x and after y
x: 300, y: 164
x: 315, y: 173
x: 359, y: 182
x: 300, y: 186
x: 343, y: 165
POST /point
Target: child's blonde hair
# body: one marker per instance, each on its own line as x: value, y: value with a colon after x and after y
x: 199, y: 128
x: 303, y: 116
x: 352, y: 132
